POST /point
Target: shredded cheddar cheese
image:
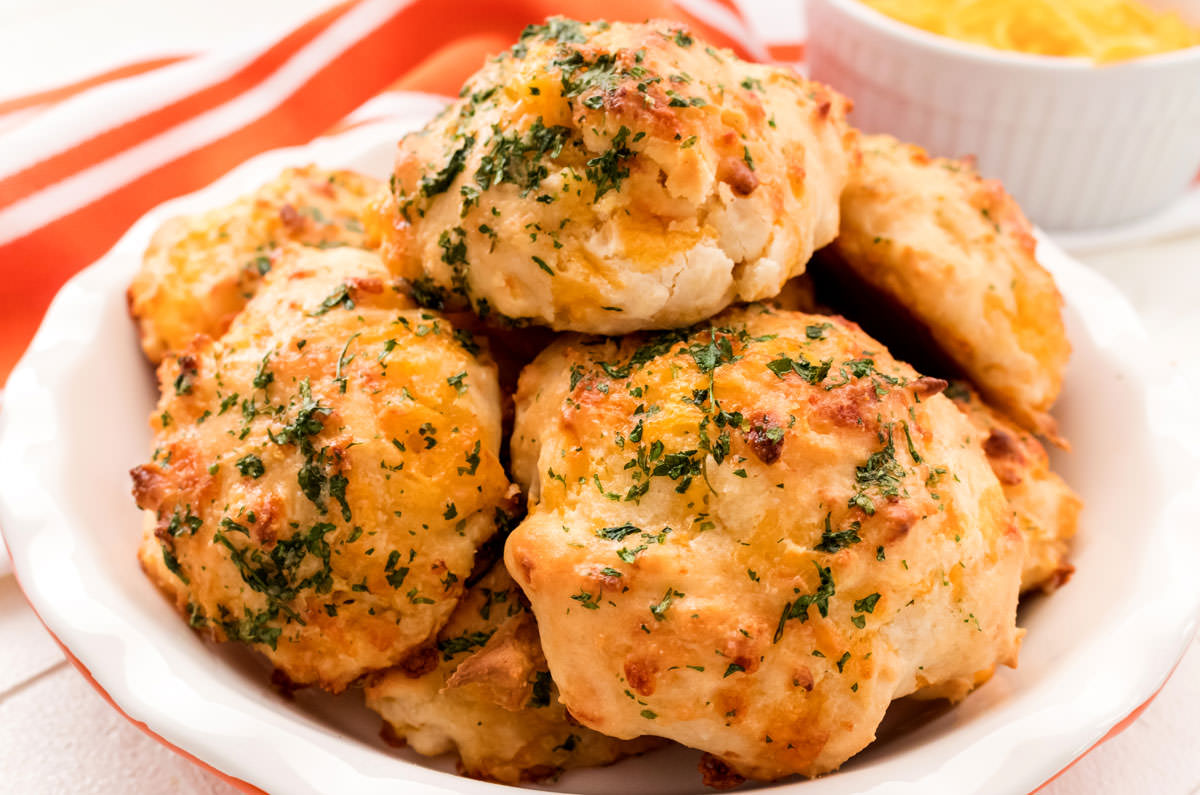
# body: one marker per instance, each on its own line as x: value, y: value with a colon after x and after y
x: 1101, y: 30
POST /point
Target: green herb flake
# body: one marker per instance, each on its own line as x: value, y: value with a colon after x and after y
x: 458, y: 381
x: 450, y: 647
x: 867, y: 603
x: 250, y: 466
x: 618, y: 533
x: 439, y: 182
x: 341, y: 296
x: 833, y: 541
x: 659, y: 611
x: 798, y: 608
x: 812, y: 373
x: 540, y: 695
x: 584, y: 598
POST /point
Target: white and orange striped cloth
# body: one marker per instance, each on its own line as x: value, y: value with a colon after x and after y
x: 80, y: 163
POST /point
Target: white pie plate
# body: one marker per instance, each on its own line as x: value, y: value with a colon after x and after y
x: 74, y: 422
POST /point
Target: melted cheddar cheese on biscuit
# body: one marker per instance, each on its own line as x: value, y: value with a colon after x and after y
x: 753, y: 535
x: 958, y: 254
x: 200, y: 270
x: 323, y: 475
x: 611, y: 178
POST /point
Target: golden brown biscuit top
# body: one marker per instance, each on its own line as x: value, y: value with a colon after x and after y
x: 591, y: 156
x: 756, y: 530
x: 323, y: 475
x: 200, y: 270
x: 956, y: 252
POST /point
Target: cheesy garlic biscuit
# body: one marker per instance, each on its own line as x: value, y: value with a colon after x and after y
x: 200, y: 270
x: 488, y: 696
x: 609, y: 178
x: 323, y: 475
x: 957, y: 253
x: 751, y: 536
x: 1045, y: 508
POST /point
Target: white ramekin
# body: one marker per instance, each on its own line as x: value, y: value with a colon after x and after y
x: 1078, y: 145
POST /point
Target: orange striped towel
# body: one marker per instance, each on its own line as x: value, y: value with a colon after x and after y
x: 80, y: 163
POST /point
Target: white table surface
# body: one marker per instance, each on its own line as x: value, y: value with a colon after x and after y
x: 57, y: 735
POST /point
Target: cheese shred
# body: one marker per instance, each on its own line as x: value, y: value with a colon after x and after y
x: 1103, y: 31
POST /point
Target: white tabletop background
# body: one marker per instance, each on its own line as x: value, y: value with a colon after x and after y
x: 57, y: 735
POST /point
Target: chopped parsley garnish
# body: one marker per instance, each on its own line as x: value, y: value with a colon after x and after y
x: 880, y: 473
x: 606, y: 171
x: 276, y: 574
x: 432, y: 185
x: 172, y: 564
x: 861, y: 368
x: 619, y: 533
x: 338, y: 377
x: 187, y: 374
x: 540, y: 697
x: 567, y: 744
x: 517, y: 159
x: 467, y: 341
x: 832, y: 541
x: 580, y: 75
x: 658, y: 345
x: 262, y: 376
x: 453, y: 243
x: 798, y: 608
x: 710, y: 355
x: 472, y: 461
x: 251, y: 466
x: 586, y: 600
x: 659, y: 611
x: 428, y: 293
x: 458, y: 381
x: 867, y: 603
x: 306, y: 424
x: 341, y: 296
x: 556, y: 29
x: 183, y: 523
x: 812, y: 373
x: 449, y: 647
x: 817, y: 331
x: 395, y: 574
x: 252, y: 628
x: 912, y: 451
x: 337, y: 490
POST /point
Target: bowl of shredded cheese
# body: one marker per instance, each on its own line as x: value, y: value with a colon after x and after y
x: 1087, y: 110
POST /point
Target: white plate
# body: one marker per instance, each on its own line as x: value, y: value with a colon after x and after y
x: 74, y: 421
